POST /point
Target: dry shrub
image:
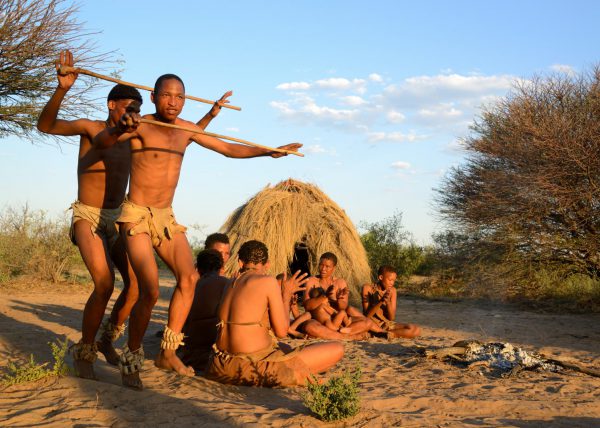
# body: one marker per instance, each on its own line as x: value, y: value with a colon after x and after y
x: 33, y: 244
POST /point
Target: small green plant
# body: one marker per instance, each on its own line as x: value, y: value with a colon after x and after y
x: 336, y: 399
x: 32, y: 371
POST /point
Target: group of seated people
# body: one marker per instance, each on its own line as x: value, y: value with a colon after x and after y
x: 233, y: 325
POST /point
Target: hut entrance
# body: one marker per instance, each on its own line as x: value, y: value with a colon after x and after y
x: 301, y: 259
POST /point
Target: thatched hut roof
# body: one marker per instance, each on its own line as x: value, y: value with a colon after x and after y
x: 292, y: 213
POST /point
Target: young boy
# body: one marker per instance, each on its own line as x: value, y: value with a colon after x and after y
x: 379, y: 304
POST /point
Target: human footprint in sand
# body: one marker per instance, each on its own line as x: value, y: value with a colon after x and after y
x: 147, y: 221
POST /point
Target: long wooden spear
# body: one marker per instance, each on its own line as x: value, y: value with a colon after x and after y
x: 238, y: 140
x: 65, y: 69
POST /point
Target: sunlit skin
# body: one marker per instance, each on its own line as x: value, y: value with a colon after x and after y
x: 102, y: 179
x: 379, y: 302
x: 157, y: 155
x: 338, y: 295
x: 257, y: 296
x: 388, y: 295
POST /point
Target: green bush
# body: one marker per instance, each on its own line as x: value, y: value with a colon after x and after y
x: 32, y: 371
x: 336, y: 399
x: 387, y: 243
x: 33, y: 244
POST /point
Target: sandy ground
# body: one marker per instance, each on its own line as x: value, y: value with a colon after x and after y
x: 397, y: 388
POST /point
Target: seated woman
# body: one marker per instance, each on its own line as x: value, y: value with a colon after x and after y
x: 254, y: 311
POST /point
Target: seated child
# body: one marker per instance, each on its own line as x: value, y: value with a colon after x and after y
x: 325, y: 314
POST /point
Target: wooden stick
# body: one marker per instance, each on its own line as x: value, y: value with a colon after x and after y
x: 225, y: 137
x: 65, y: 69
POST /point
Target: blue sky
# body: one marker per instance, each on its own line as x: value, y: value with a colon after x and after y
x: 379, y: 93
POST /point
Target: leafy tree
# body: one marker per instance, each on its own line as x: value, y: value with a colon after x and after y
x: 530, y: 186
x: 387, y: 242
x: 32, y: 34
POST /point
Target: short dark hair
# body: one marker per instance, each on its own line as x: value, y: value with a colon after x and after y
x: 164, y: 77
x: 253, y: 252
x: 209, y: 261
x: 316, y: 292
x: 214, y: 238
x: 329, y: 256
x: 383, y: 269
x: 123, y: 92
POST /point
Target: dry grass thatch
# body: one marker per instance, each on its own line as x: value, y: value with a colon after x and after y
x: 293, y: 212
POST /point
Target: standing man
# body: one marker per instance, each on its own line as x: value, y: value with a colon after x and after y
x: 148, y: 222
x: 102, y: 179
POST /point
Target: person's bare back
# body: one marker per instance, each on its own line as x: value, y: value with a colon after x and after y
x: 254, y: 311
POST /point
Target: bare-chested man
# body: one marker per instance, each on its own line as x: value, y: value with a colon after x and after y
x: 338, y: 294
x: 102, y: 179
x: 148, y: 222
x: 254, y: 310
x: 379, y: 304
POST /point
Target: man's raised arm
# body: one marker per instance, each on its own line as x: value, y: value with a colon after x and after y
x: 48, y: 122
x: 214, y: 111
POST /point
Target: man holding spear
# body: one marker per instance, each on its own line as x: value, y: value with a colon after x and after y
x: 102, y: 177
x: 158, y: 143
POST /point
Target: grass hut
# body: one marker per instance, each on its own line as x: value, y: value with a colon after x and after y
x: 298, y: 223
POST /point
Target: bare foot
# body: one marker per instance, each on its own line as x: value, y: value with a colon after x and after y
x: 84, y: 369
x: 132, y: 381
x: 168, y: 360
x: 106, y: 347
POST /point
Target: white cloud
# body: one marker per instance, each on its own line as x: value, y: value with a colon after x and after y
x: 394, y: 116
x: 401, y: 165
x: 374, y: 77
x: 440, y: 110
x: 301, y: 86
x: 353, y: 100
x: 396, y: 136
x: 409, y: 110
x: 305, y: 110
x: 316, y: 148
x: 414, y: 90
x: 563, y: 68
x: 340, y: 83
x: 233, y: 129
